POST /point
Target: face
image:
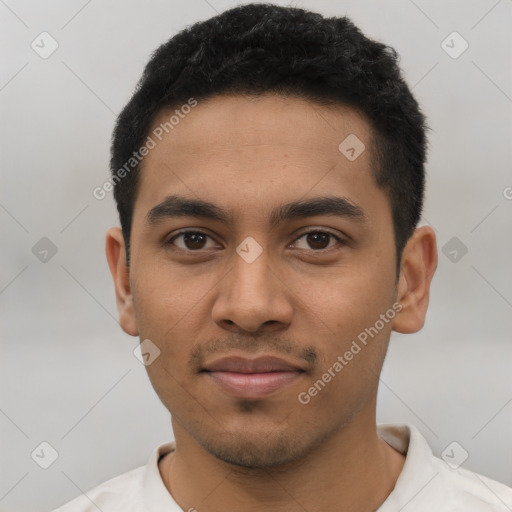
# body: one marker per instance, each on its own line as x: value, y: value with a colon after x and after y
x: 250, y: 299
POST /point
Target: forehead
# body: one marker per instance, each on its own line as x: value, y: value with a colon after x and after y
x: 255, y: 150
x: 231, y: 122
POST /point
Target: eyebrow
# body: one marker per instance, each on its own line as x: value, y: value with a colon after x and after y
x: 177, y: 206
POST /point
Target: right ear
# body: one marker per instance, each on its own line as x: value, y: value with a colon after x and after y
x: 116, y: 257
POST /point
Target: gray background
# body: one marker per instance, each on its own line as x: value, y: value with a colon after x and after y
x: 68, y: 373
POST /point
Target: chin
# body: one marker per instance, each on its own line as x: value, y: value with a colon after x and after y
x: 245, y: 451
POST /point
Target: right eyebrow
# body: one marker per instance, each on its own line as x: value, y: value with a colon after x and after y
x: 177, y: 206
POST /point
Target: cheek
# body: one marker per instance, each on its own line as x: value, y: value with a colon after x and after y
x: 347, y: 310
x: 163, y: 294
x: 173, y: 309
x: 161, y: 307
x: 351, y: 299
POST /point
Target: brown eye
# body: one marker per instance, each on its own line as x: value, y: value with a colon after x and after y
x: 318, y: 240
x: 190, y: 240
x: 194, y: 240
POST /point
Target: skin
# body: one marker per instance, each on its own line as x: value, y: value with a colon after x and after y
x: 299, y: 297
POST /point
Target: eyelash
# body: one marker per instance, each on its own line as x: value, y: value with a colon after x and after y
x: 170, y: 241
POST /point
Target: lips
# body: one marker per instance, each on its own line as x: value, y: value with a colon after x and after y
x: 252, y: 378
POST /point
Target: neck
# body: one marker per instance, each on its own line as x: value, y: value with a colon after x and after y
x: 354, y: 468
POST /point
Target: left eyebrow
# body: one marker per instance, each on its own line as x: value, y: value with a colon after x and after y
x: 329, y: 205
x: 178, y: 206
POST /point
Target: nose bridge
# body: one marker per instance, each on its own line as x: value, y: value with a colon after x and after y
x: 251, y: 295
x: 251, y: 280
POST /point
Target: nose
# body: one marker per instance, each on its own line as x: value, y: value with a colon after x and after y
x: 253, y: 297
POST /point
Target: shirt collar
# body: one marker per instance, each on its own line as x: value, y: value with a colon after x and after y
x: 156, y: 495
x: 421, y: 485
x: 420, y: 475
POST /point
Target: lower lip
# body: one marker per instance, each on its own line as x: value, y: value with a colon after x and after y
x: 253, y: 385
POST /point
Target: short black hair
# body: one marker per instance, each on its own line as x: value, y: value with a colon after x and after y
x: 258, y: 49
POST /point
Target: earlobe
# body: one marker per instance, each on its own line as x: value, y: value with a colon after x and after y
x: 419, y: 262
x: 116, y: 257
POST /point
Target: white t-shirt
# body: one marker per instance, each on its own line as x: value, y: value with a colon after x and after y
x: 426, y: 484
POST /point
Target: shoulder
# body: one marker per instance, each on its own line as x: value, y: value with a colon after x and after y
x: 133, y: 491
x: 429, y: 483
x: 123, y: 492
x: 471, y: 491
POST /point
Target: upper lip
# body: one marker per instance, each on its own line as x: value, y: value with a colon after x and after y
x: 262, y: 364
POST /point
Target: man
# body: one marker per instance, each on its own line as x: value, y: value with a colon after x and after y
x: 269, y: 177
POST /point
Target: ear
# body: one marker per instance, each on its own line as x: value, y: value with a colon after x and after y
x: 116, y: 257
x: 419, y: 262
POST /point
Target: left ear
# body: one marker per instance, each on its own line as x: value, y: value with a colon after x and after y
x: 419, y: 262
